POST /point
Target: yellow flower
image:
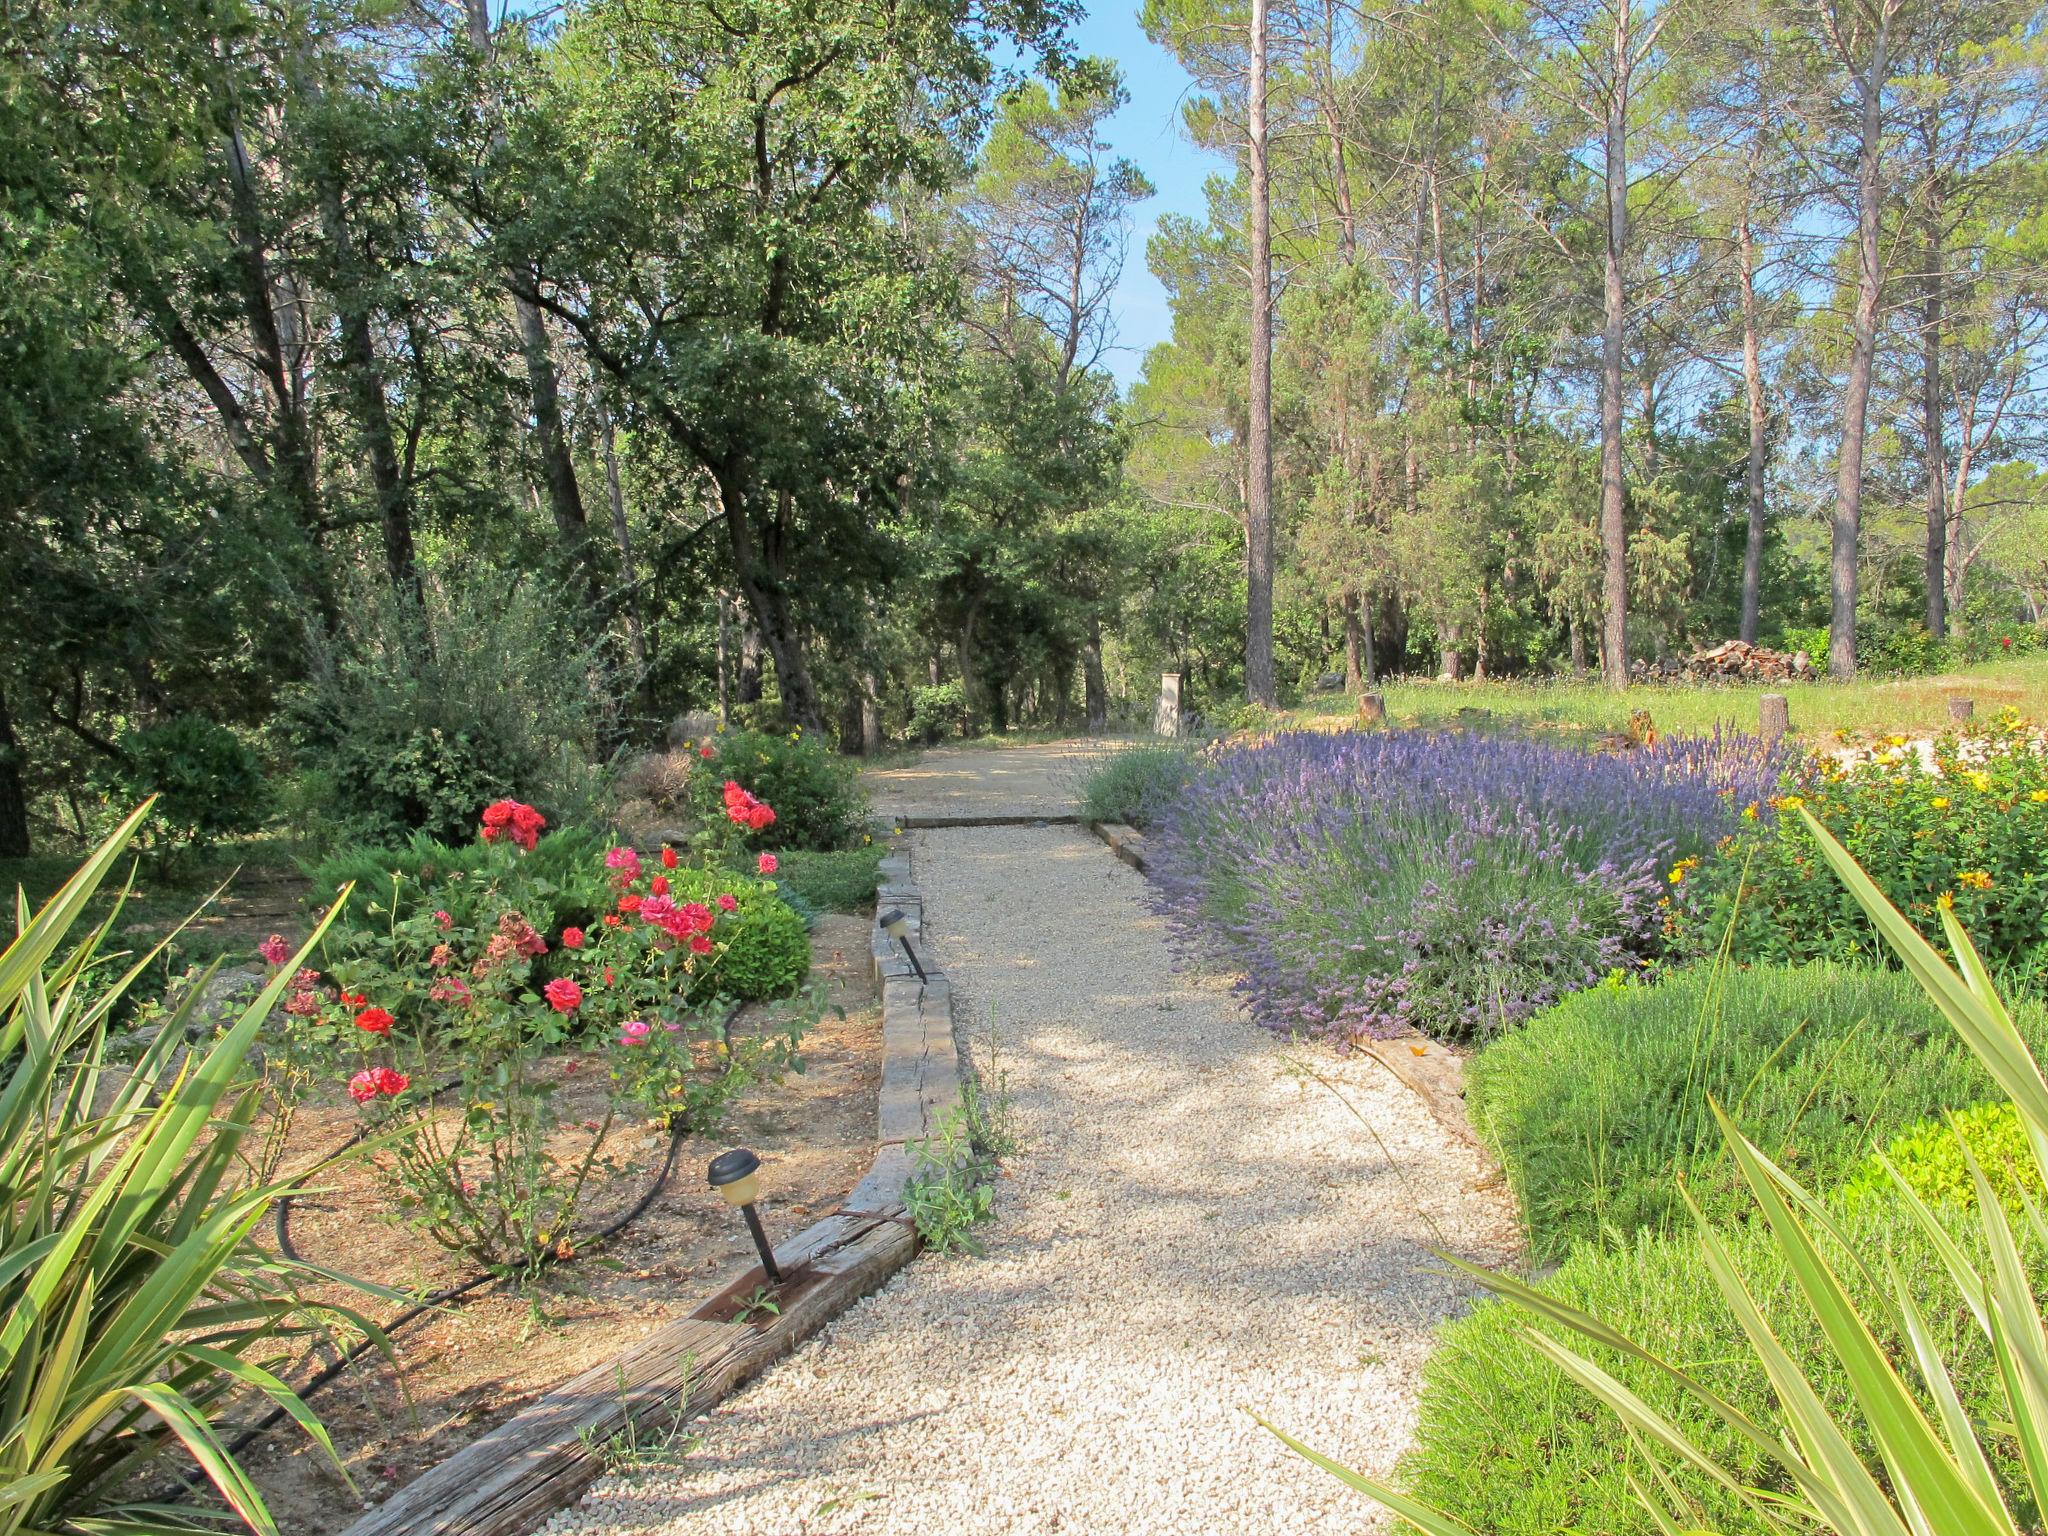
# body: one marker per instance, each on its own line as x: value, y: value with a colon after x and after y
x: 1787, y: 803
x: 1946, y: 900
x: 1749, y: 811
x: 1682, y: 868
x: 2039, y: 797
x: 1979, y: 781
x: 1975, y: 879
x: 1939, y: 802
x: 1895, y: 741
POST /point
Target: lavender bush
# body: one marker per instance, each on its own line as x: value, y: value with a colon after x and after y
x: 1455, y: 883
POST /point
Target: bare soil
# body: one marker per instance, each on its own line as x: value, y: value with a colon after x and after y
x: 468, y: 1367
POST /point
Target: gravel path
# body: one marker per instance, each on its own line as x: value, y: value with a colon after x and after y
x: 1192, y: 1228
x: 1035, y: 780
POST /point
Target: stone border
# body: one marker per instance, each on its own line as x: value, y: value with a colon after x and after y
x: 508, y: 1482
x: 1432, y: 1072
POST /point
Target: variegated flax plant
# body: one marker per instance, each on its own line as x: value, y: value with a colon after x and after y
x: 136, y: 1308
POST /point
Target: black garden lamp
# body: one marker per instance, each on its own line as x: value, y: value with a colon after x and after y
x: 897, y: 926
x: 736, y: 1177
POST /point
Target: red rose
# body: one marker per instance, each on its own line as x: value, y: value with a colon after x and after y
x: 766, y: 864
x: 728, y: 903
x: 658, y: 885
x: 375, y: 1020
x: 563, y: 995
x: 389, y: 1083
x: 572, y: 938
x: 668, y: 858
x: 629, y: 903
x: 701, y: 944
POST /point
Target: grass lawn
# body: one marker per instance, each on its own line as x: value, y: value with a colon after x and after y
x: 1888, y: 704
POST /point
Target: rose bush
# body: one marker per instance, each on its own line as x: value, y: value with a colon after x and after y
x: 469, y: 987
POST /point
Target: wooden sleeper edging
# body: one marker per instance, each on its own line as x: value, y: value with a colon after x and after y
x: 509, y: 1482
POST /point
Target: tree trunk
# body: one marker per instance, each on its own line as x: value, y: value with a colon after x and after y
x: 363, y: 384
x: 1936, y: 456
x: 1863, y: 352
x: 1357, y: 646
x: 870, y: 713
x: 1094, y: 689
x: 622, y: 537
x: 14, y: 839
x: 761, y: 587
x: 1753, y: 474
x: 558, y: 467
x: 1258, y: 645
x: 1447, y: 662
x: 1613, y: 491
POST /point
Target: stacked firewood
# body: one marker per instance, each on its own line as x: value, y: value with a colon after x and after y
x: 1732, y: 661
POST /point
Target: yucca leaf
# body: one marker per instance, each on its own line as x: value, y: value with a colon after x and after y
x: 1419, y: 1515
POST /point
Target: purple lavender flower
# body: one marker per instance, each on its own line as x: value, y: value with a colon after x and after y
x: 1457, y: 883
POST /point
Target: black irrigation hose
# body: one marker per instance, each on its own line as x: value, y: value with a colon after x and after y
x: 441, y: 1298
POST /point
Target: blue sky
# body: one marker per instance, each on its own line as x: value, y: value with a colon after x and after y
x: 1146, y: 132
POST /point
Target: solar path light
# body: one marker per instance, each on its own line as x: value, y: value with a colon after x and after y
x: 736, y: 1175
x: 897, y: 926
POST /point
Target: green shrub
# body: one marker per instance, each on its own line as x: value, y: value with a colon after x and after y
x: 1597, y: 1104
x: 208, y: 782
x: 1507, y: 1444
x: 1970, y: 834
x: 1929, y: 1157
x: 814, y: 792
x: 415, y: 718
x: 832, y: 881
x: 938, y: 711
x: 769, y: 952
x: 1134, y: 784
x: 561, y: 881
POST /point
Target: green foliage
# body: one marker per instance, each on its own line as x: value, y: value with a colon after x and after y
x: 1929, y: 1157
x: 768, y: 951
x: 814, y: 792
x: 1968, y: 833
x: 561, y: 881
x: 414, y: 727
x: 832, y: 881
x: 938, y: 710
x: 136, y: 1304
x: 1599, y: 1110
x: 207, y: 781
x: 1134, y: 784
x: 1506, y: 1443
x: 951, y: 1190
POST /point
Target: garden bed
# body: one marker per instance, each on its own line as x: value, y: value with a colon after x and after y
x: 470, y: 1366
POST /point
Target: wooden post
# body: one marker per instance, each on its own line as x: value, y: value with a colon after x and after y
x: 1372, y: 708
x: 1960, y: 708
x: 1774, y: 717
x: 1166, y: 715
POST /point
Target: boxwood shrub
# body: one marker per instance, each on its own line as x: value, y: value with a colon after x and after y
x: 1601, y: 1103
x: 1510, y: 1446
x: 770, y: 947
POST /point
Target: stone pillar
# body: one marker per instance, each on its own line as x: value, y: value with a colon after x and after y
x: 1774, y: 717
x: 1166, y: 715
x: 1372, y: 708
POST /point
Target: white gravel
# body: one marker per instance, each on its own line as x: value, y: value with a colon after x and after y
x: 1193, y: 1228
